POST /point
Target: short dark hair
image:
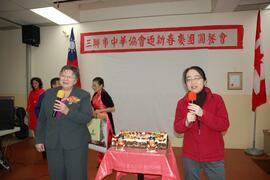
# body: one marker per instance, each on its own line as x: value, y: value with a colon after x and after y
x: 54, y: 80
x: 99, y: 80
x: 196, y: 68
x: 40, y: 84
x: 74, y: 69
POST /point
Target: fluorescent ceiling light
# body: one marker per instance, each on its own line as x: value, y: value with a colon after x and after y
x: 54, y: 15
x: 268, y: 7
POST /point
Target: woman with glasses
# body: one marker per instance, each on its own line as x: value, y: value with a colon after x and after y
x: 203, y: 122
x: 62, y: 127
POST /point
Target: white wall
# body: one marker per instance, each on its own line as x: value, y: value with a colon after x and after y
x: 146, y: 85
x: 12, y: 63
x: 13, y: 66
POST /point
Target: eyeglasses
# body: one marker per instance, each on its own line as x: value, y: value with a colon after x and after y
x: 66, y: 77
x: 196, y: 79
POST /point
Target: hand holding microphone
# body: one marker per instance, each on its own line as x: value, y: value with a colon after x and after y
x: 194, y: 110
x: 191, y: 117
x: 57, y: 105
x: 192, y: 107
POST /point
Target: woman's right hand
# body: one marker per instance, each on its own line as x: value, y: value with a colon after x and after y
x: 40, y: 147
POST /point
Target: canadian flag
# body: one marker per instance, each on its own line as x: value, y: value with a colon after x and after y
x: 259, y: 91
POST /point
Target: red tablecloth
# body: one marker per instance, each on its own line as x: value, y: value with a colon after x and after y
x: 132, y: 160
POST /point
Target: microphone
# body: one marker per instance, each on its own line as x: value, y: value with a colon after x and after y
x: 192, y: 96
x: 59, y: 96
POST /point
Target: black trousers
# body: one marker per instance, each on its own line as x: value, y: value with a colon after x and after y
x: 67, y: 164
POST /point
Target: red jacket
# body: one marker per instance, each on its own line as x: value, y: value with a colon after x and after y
x: 208, y: 145
x: 31, y: 104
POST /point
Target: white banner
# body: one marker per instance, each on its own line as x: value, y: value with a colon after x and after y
x: 179, y: 38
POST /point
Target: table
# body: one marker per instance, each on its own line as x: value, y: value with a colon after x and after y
x: 3, y: 162
x: 134, y: 160
x: 9, y: 131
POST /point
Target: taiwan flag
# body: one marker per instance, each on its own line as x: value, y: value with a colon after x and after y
x: 72, y: 55
x: 259, y: 91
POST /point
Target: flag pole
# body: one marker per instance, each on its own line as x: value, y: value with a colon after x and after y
x: 259, y: 90
x: 254, y: 151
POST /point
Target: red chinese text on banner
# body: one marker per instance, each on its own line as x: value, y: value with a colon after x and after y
x: 72, y: 55
x: 259, y: 90
x: 156, y: 39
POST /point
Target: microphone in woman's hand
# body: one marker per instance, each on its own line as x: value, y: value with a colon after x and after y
x: 192, y: 96
x: 59, y: 96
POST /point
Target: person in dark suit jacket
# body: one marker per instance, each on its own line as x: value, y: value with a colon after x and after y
x: 65, y: 135
x: 55, y: 82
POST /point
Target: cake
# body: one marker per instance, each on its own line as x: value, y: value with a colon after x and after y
x: 140, y: 139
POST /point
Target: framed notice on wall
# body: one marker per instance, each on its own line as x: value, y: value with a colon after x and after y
x: 235, y: 81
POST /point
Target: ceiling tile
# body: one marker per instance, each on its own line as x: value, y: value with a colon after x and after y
x: 30, y: 4
x: 24, y: 17
x: 7, y: 5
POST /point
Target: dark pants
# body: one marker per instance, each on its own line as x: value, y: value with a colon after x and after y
x: 67, y: 164
x: 214, y: 170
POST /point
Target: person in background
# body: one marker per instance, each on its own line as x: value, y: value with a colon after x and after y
x: 103, y: 103
x: 203, y: 123
x: 37, y: 90
x: 55, y: 82
x: 66, y: 134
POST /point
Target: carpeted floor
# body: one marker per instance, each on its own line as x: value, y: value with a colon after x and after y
x: 264, y: 164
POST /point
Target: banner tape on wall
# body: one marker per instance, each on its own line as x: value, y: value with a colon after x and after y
x: 157, y: 39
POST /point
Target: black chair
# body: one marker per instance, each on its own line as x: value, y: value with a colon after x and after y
x: 7, y: 112
x: 24, y: 130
